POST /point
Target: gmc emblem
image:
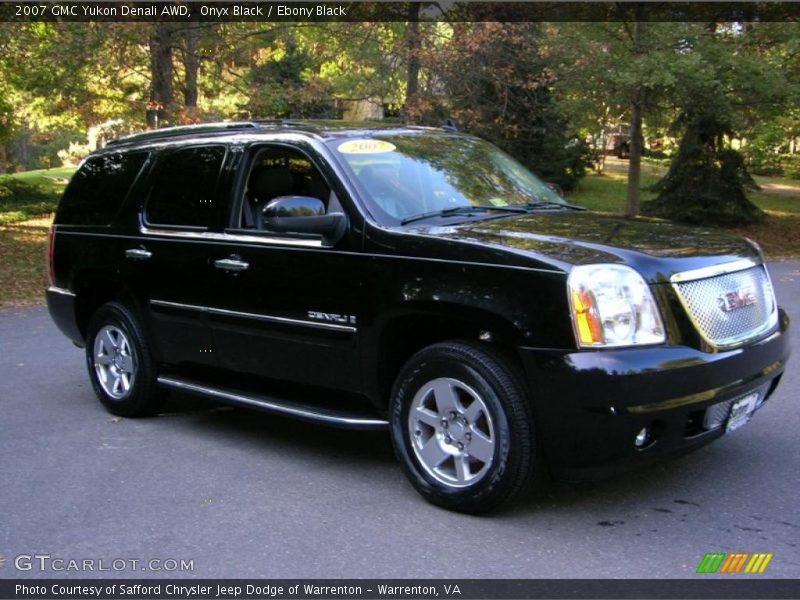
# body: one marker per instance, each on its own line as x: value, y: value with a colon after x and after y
x: 737, y: 299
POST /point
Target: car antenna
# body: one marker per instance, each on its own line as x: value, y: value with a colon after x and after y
x: 450, y: 126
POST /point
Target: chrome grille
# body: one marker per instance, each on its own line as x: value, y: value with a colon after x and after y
x: 705, y: 301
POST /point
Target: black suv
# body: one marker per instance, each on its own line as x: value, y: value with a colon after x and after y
x: 412, y: 279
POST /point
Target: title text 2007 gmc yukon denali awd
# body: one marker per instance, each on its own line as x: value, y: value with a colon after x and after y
x: 412, y: 279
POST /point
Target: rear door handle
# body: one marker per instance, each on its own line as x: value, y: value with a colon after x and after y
x: 138, y: 253
x: 231, y: 264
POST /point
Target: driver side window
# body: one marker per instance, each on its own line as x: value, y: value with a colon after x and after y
x: 279, y: 171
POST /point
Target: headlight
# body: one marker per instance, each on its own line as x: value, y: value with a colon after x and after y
x: 612, y: 306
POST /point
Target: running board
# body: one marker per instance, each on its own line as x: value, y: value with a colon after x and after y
x: 277, y: 405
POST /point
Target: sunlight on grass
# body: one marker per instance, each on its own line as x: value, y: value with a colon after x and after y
x: 606, y: 192
x: 12, y: 216
x: 43, y: 221
x: 780, y: 213
x: 46, y: 177
x: 780, y: 183
x: 616, y: 176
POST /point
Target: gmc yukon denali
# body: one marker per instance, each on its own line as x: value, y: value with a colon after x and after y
x: 411, y: 279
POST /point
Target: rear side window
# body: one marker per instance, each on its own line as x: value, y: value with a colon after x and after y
x: 185, y: 187
x: 98, y: 188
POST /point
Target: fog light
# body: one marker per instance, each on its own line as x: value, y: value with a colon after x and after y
x: 642, y: 438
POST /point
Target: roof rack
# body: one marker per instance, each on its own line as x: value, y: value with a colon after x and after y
x: 168, y: 132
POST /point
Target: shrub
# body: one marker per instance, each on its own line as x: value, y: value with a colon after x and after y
x: 20, y: 200
x: 773, y: 164
x: 16, y: 191
x: 706, y: 182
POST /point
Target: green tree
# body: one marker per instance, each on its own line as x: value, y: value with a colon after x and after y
x: 498, y: 86
x: 283, y: 85
x: 620, y: 72
x: 732, y: 84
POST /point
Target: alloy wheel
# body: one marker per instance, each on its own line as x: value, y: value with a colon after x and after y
x: 114, y: 362
x: 451, y: 432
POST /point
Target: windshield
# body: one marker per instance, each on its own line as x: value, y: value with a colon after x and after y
x: 415, y: 174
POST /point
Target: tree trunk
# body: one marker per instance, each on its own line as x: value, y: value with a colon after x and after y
x: 411, y: 112
x: 635, y: 158
x: 161, y: 98
x: 191, y: 64
x: 23, y: 148
x: 633, y: 202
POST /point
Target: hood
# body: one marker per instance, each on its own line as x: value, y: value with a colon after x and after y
x: 654, y: 247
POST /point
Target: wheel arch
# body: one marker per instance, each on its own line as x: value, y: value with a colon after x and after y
x: 403, y: 332
x: 93, y: 291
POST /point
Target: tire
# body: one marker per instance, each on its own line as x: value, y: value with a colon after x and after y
x: 462, y: 427
x: 120, y: 364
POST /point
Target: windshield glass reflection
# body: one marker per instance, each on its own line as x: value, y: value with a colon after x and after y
x: 415, y: 174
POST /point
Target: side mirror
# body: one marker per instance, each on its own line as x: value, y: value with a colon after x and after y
x: 304, y: 214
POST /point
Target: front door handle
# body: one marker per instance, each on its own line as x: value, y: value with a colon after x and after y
x: 138, y: 253
x: 231, y: 264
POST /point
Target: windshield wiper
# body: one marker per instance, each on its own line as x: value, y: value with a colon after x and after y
x: 551, y: 204
x: 461, y: 210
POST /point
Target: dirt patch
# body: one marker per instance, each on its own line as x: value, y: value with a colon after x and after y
x: 779, y: 237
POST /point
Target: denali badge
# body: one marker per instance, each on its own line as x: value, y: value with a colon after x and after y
x: 737, y: 299
x: 331, y: 317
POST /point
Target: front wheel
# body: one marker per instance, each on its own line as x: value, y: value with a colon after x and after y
x: 121, y: 369
x: 462, y: 428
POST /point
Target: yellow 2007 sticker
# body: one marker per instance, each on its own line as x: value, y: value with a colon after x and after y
x: 365, y: 147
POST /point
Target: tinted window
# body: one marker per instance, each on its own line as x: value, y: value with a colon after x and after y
x: 98, y: 188
x: 278, y: 172
x: 184, y: 190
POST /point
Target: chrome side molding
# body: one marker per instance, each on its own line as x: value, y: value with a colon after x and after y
x: 258, y: 317
x: 277, y: 405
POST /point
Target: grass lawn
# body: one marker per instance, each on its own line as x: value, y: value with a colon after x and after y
x: 39, y: 196
x: 24, y: 224
x: 52, y: 178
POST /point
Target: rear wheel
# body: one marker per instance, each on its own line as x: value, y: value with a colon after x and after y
x: 462, y: 428
x: 120, y: 366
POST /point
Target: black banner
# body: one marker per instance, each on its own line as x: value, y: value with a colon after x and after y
x: 468, y: 589
x: 464, y: 11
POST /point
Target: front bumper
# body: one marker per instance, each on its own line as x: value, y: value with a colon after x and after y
x: 590, y: 405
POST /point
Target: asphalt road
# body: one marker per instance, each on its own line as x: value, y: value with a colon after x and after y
x: 243, y: 494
